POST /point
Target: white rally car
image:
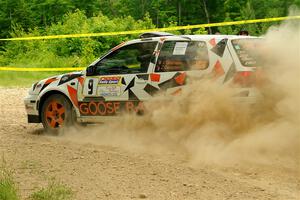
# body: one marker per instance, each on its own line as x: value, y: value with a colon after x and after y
x: 134, y: 71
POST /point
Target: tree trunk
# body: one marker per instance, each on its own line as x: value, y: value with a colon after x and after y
x: 179, y: 13
x: 207, y: 15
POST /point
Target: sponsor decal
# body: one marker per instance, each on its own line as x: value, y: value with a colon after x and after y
x: 110, y: 108
x: 111, y: 90
x: 113, y: 80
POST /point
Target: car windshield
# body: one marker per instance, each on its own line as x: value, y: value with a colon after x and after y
x: 247, y: 51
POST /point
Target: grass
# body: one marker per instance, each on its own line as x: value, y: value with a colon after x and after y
x: 9, y: 190
x: 23, y: 79
x: 54, y: 191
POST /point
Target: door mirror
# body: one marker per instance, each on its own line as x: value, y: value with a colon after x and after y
x: 91, y: 70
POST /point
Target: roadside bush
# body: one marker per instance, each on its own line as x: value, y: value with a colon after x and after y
x: 71, y: 52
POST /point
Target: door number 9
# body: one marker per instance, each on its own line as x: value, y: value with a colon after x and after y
x: 90, y: 86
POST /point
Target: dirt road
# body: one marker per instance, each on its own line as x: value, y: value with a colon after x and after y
x: 111, y: 171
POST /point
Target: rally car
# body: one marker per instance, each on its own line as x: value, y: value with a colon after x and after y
x: 134, y: 71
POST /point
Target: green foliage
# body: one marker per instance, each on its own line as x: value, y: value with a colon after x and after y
x: 71, y: 52
x: 200, y: 31
x: 54, y: 191
x: 23, y: 79
x: 42, y: 14
x: 227, y: 30
x: 8, y: 189
x: 21, y: 18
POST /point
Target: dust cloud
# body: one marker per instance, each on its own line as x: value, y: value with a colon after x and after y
x: 208, y: 126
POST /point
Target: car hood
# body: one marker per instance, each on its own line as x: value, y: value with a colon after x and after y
x: 54, y: 81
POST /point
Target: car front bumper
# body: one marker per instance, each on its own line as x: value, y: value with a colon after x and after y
x: 31, y: 109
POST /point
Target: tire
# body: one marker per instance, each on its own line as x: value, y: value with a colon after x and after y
x: 57, y: 113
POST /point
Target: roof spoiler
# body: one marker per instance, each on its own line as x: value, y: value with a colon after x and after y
x: 155, y: 34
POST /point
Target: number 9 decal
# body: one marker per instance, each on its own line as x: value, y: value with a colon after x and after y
x: 90, y: 87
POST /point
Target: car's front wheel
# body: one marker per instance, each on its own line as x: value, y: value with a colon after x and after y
x: 57, y: 113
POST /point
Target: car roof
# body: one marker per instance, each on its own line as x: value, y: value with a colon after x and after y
x: 209, y: 37
x: 192, y: 37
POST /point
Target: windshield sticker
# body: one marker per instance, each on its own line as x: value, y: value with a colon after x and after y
x: 180, y: 48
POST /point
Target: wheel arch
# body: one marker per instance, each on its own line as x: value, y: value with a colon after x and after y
x: 47, y: 95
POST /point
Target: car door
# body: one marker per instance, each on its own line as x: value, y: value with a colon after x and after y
x: 118, y: 81
x: 176, y: 60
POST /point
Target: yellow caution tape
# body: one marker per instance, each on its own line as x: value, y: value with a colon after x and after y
x: 25, y: 69
x: 128, y: 33
x: 152, y: 30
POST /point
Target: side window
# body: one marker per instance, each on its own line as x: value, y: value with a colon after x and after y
x: 182, y: 56
x: 130, y: 59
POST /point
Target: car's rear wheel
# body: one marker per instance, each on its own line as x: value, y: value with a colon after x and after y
x: 57, y: 113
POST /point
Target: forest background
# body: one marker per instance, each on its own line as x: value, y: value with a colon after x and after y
x: 20, y: 18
